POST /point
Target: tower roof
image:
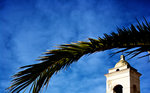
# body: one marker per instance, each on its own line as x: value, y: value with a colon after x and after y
x: 122, y: 62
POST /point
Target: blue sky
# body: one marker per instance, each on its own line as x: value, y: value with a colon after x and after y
x: 30, y: 27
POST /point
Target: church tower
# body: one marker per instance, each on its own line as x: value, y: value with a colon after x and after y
x: 123, y: 78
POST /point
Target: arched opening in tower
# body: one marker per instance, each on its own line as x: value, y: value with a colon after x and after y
x: 134, y: 89
x: 118, y: 89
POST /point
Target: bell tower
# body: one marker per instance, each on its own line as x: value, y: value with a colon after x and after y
x: 123, y: 78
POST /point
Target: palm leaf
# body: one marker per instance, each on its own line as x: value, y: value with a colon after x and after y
x: 38, y: 75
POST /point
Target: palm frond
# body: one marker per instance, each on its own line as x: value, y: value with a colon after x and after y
x: 38, y: 75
